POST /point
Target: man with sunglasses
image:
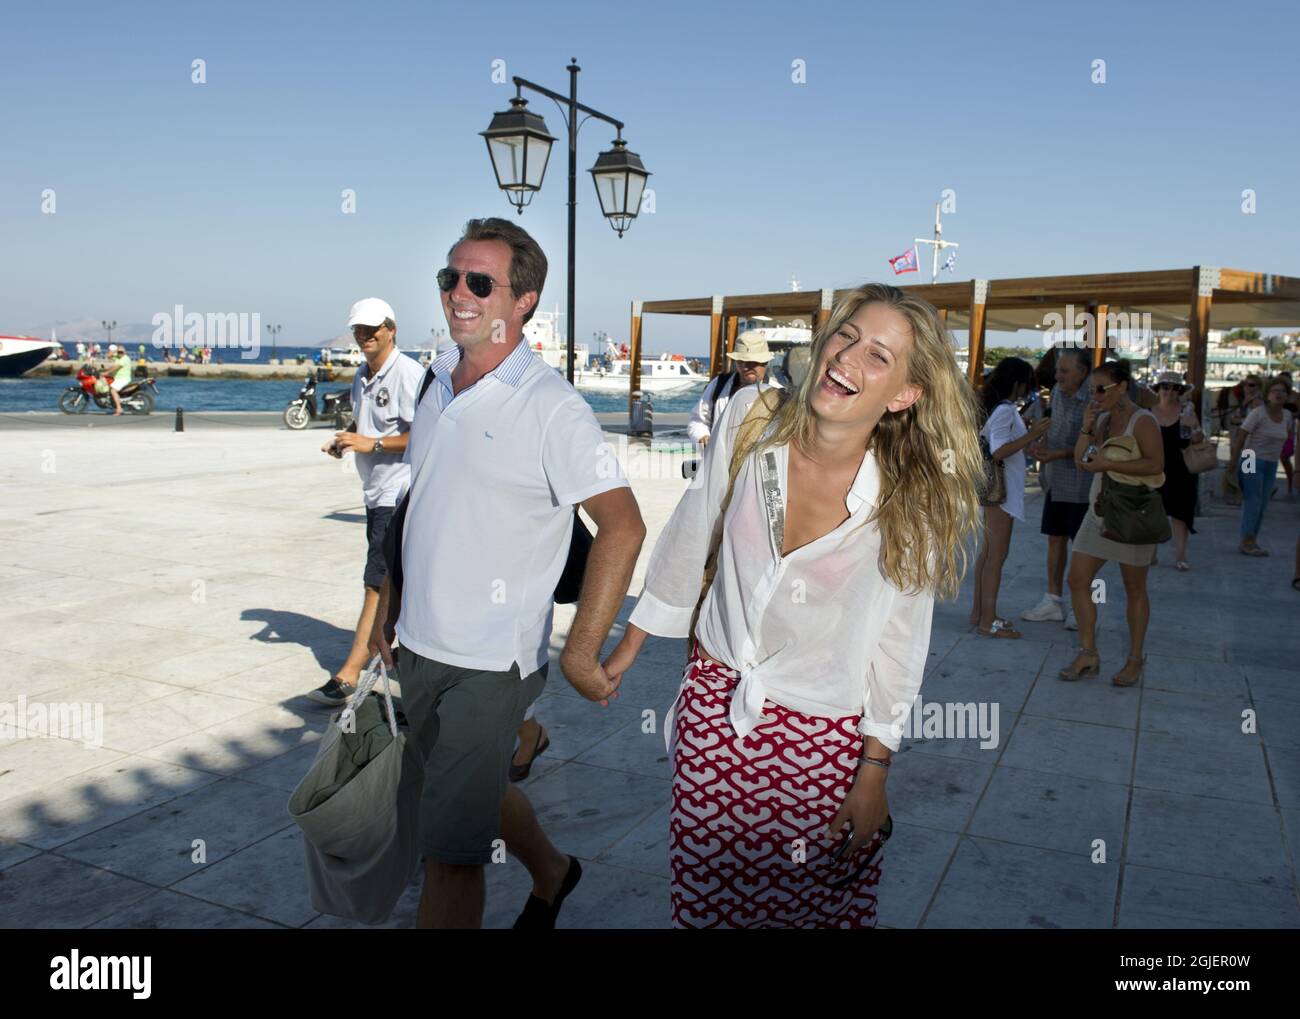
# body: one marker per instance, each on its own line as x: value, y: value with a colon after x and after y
x: 748, y: 368
x: 383, y: 404
x: 502, y: 449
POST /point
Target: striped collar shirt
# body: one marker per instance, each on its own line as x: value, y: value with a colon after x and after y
x: 510, y: 371
x: 1065, y: 481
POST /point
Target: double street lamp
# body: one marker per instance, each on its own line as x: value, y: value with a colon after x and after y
x: 519, y: 146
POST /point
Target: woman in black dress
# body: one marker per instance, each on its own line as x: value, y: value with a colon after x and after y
x: 1178, y: 429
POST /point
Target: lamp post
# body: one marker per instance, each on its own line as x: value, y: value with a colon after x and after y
x: 519, y: 146
x: 110, y: 326
x: 274, y: 331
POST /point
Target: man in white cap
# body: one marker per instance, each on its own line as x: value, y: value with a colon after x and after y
x: 748, y: 368
x: 383, y: 404
x: 121, y: 362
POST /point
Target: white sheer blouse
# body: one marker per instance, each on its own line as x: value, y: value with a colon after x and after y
x: 821, y: 630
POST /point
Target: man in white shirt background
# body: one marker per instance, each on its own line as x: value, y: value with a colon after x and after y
x: 383, y: 404
x: 502, y: 449
x: 748, y: 368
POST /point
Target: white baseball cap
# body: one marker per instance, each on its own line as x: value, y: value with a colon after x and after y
x: 112, y: 347
x: 370, y: 311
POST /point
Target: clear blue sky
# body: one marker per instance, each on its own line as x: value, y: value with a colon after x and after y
x: 226, y: 196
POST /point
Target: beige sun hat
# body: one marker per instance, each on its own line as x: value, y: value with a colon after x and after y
x: 751, y: 346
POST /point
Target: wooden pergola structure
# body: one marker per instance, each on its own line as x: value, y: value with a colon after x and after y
x: 1197, y: 299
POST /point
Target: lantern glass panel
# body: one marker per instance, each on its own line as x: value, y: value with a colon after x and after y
x: 611, y: 189
x: 539, y: 151
x: 508, y: 159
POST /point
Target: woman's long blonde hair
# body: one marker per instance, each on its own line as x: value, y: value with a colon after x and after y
x: 928, y: 455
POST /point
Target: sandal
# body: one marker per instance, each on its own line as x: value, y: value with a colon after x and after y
x: 1182, y: 566
x: 1001, y: 629
x: 1254, y: 550
x: 1077, y: 670
x: 1120, y: 679
x: 519, y: 772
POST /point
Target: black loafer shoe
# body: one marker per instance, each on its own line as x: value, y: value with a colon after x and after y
x: 537, y: 914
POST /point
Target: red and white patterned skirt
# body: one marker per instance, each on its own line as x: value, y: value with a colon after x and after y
x: 747, y: 841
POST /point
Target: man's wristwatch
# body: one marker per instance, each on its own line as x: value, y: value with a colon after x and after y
x: 378, y: 447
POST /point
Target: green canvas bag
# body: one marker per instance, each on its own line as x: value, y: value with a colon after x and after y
x: 358, y: 808
x: 1132, y: 514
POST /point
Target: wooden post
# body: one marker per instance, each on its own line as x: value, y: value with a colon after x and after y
x: 733, y: 323
x: 716, y: 339
x: 943, y: 317
x: 634, y: 352
x: 979, y: 295
x: 1097, y: 339
x: 823, y: 314
x: 1198, y: 329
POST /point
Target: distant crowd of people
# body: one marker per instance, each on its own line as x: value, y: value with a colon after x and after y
x: 1118, y: 467
x: 193, y: 355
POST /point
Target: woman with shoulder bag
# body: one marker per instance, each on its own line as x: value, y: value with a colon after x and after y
x: 1004, y: 438
x: 1112, y: 418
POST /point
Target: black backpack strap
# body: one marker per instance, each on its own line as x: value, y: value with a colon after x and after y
x: 425, y: 383
x: 734, y: 377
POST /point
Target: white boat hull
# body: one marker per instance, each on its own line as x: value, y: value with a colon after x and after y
x: 595, y: 382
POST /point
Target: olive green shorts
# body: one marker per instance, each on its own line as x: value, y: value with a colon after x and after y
x: 463, y: 722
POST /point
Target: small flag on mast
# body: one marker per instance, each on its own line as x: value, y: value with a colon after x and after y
x: 950, y: 263
x: 906, y: 262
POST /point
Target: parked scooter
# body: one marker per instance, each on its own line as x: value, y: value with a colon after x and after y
x: 137, y: 397
x: 304, y: 408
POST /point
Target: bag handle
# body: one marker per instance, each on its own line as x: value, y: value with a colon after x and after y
x: 757, y: 417
x: 365, y: 684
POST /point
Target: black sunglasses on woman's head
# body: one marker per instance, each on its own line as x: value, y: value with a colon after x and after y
x: 480, y: 283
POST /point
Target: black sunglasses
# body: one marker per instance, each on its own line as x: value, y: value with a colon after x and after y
x: 480, y: 283
x: 1103, y: 390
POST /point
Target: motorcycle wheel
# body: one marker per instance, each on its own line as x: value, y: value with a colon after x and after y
x: 296, y: 416
x: 139, y: 403
x: 73, y: 401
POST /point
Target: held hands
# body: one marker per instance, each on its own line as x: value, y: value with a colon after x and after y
x: 599, y: 682
x: 589, y: 677
x: 866, y: 807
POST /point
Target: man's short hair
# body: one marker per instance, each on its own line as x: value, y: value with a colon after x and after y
x: 1080, y: 354
x: 527, y: 261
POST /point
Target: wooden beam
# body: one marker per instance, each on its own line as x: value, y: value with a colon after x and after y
x: 733, y: 323
x: 1257, y: 285
x: 825, y: 306
x: 1096, y: 332
x: 716, y: 338
x: 634, y: 352
x: 979, y: 290
x: 1198, y: 329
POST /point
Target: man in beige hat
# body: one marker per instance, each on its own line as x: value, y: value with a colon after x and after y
x: 748, y: 368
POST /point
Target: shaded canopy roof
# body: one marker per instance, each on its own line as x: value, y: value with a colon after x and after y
x: 1240, y: 298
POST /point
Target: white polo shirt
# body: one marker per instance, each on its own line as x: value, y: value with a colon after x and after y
x: 382, y: 405
x: 495, y: 475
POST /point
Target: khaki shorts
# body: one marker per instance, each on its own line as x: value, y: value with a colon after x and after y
x: 463, y: 722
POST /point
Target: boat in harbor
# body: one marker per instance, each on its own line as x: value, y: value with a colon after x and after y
x: 664, y: 375
x: 20, y: 354
x: 610, y: 374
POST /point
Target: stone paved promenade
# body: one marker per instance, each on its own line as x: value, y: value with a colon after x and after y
x: 196, y: 585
